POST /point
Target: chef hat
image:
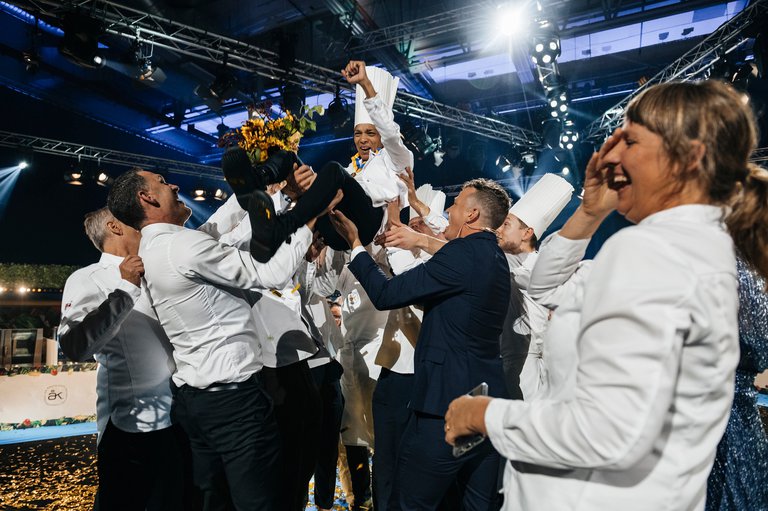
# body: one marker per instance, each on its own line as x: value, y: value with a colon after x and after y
x: 385, y: 86
x: 435, y: 199
x: 543, y: 202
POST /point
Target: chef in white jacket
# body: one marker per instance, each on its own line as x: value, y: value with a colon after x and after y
x: 372, y: 183
x: 652, y: 330
x: 526, y: 223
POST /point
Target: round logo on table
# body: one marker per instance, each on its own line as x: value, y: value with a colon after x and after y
x: 55, y: 395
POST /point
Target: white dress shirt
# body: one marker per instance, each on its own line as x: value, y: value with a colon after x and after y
x: 652, y: 334
x: 283, y: 335
x: 126, y: 339
x: 195, y: 284
x: 378, y: 177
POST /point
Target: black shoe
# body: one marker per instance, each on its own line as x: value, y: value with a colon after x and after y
x: 268, y: 229
x: 240, y: 175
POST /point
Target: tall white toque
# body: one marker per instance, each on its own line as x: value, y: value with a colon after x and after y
x: 385, y: 86
x: 435, y: 199
x: 541, y: 204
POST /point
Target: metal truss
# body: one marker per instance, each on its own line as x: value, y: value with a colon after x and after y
x: 429, y: 26
x: 692, y: 65
x: 120, y: 158
x: 201, y: 44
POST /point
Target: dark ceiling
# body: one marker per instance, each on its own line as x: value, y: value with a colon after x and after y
x: 453, y: 52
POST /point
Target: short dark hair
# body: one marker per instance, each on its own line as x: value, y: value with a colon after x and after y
x: 493, y: 200
x: 123, y: 199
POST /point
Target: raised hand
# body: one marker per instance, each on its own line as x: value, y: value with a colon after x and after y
x: 599, y: 199
x: 346, y: 228
x: 355, y: 72
x: 132, y: 269
x: 400, y: 236
x: 316, y: 248
x: 299, y: 181
x: 393, y: 214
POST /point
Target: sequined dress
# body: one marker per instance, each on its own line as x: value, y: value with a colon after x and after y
x: 739, y: 478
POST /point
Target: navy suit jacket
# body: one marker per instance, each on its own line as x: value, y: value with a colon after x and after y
x: 465, y: 290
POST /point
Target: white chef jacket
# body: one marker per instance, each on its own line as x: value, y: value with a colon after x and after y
x: 195, y: 285
x: 126, y: 339
x: 364, y: 329
x: 378, y: 177
x: 656, y: 347
x: 533, y: 324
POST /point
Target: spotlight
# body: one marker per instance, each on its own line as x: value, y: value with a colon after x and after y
x: 509, y: 20
x: 503, y: 163
x: 566, y: 171
x: 557, y: 97
x: 338, y: 113
x: 418, y: 140
x: 527, y: 165
x: 293, y: 98
x: 223, y: 86
x: 219, y: 194
x: 81, y: 39
x: 150, y: 73
x: 31, y: 61
x: 438, y: 155
x: 99, y: 61
x: 74, y: 177
x: 545, y: 43
x: 199, y: 194
x: 222, y: 129
x: 23, y: 165
x: 146, y: 70
x: 103, y: 179
x: 569, y: 137
x: 509, y: 159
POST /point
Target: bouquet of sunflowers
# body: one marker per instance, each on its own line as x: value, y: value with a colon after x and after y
x: 264, y: 131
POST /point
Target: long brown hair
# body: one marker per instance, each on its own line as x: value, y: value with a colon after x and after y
x: 718, y: 117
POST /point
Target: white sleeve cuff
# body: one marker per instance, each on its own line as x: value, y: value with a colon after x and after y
x: 128, y: 287
x: 356, y: 251
x: 497, y: 417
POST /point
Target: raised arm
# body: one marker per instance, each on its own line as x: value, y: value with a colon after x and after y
x: 196, y: 254
x: 88, y: 321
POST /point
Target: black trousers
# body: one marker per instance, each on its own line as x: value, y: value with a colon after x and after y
x: 390, y: 417
x: 427, y: 470
x: 359, y: 473
x: 235, y: 445
x: 327, y: 379
x: 356, y: 205
x: 139, y: 471
x: 298, y: 412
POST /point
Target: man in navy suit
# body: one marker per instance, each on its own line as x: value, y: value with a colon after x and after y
x: 465, y: 290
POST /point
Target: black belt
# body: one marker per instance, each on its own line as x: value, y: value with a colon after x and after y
x: 216, y: 387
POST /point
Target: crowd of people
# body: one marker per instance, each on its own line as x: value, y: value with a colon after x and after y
x: 304, y: 324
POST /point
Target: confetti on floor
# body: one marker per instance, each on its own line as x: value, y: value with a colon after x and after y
x: 60, y: 474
